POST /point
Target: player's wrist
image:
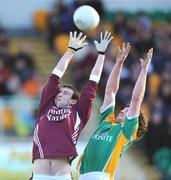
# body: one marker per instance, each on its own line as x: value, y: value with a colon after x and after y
x: 144, y: 69
x: 119, y: 62
x: 74, y: 49
x: 101, y: 52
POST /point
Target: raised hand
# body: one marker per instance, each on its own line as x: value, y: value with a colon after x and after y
x: 146, y: 61
x: 123, y: 52
x: 105, y: 39
x: 76, y: 42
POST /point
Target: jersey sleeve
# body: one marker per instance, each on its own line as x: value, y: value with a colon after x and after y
x: 107, y: 114
x: 50, y: 90
x: 86, y: 101
x: 130, y: 127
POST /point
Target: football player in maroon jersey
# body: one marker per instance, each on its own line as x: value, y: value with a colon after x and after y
x: 62, y: 114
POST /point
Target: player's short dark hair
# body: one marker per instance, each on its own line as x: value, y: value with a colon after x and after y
x: 142, y: 126
x: 75, y: 95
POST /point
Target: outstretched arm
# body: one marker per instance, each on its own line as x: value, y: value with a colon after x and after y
x: 105, y: 39
x: 88, y: 94
x: 51, y: 89
x: 140, y: 85
x: 114, y: 78
x: 76, y: 42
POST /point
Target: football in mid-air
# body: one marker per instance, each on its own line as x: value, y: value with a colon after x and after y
x: 86, y: 18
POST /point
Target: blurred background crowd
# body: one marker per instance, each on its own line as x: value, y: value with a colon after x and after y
x: 22, y: 76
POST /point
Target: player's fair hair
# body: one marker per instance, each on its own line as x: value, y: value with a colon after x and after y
x: 75, y: 95
x: 142, y: 126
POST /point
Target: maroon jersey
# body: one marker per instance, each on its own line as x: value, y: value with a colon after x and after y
x: 57, y: 129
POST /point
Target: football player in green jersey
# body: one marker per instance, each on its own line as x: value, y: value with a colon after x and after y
x: 114, y: 135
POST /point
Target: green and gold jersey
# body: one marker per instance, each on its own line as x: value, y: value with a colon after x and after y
x: 107, y: 143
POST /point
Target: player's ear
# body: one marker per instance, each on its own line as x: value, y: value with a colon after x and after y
x: 73, y: 101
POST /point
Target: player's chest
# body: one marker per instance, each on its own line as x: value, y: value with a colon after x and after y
x: 59, y: 114
x: 106, y: 133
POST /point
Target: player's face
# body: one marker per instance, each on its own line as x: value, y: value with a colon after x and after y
x: 64, y: 97
x: 122, y: 114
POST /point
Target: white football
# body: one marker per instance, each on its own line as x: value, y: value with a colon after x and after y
x: 86, y: 17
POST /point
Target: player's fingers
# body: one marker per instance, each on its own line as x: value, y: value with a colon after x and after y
x: 108, y: 36
x: 128, y: 47
x: 110, y: 39
x: 149, y: 55
x: 96, y: 43
x: 75, y: 34
x: 101, y: 36
x: 83, y: 38
x: 119, y: 49
x: 70, y: 34
x: 141, y: 60
x: 105, y: 35
x: 151, y: 52
x: 80, y: 35
x: 123, y: 46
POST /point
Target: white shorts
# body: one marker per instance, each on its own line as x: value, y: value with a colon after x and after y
x: 96, y: 175
x: 48, y: 177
